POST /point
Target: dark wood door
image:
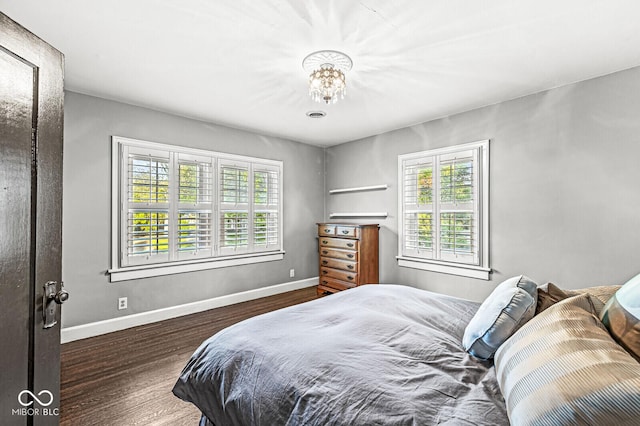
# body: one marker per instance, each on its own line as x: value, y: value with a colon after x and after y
x: 31, y: 101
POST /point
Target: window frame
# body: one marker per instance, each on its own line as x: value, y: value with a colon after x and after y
x: 178, y: 261
x: 478, y: 266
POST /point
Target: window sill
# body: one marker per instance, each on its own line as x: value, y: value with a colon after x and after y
x: 147, y: 271
x: 445, y: 268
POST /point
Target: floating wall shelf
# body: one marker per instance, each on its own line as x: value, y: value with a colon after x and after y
x: 359, y: 189
x: 346, y: 215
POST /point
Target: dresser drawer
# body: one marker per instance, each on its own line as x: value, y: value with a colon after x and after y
x: 349, y: 277
x: 326, y: 229
x: 347, y: 231
x: 335, y: 284
x: 339, y: 254
x: 338, y: 243
x: 345, y: 265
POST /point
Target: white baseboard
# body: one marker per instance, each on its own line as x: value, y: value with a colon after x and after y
x: 69, y: 334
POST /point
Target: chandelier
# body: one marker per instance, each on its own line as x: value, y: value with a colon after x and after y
x: 327, y: 81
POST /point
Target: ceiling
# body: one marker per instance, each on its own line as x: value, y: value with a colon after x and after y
x: 239, y: 62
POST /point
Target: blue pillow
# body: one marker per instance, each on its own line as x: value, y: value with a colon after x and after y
x: 621, y: 316
x: 509, y: 306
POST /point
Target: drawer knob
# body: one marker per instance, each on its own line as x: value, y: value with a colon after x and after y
x: 350, y: 266
x: 324, y: 262
x: 349, y: 277
x: 345, y: 231
x: 350, y: 256
x: 325, y: 242
x: 327, y: 230
x: 350, y: 244
x: 324, y: 271
x: 324, y: 252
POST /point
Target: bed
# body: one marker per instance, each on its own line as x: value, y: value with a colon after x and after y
x: 372, y: 355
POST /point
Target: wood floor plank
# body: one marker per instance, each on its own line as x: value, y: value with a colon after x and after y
x: 126, y: 377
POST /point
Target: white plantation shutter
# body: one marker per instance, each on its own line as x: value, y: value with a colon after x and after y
x: 169, y: 206
x: 458, y: 207
x: 146, y: 206
x: 195, y: 206
x: 443, y: 216
x: 234, y: 207
x: 418, y: 190
x: 186, y: 206
x: 266, y: 198
x: 249, y: 207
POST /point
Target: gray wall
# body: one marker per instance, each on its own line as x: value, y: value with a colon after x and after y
x: 565, y: 185
x: 89, y: 124
x: 564, y: 194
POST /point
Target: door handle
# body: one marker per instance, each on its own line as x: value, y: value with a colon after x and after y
x: 51, y: 298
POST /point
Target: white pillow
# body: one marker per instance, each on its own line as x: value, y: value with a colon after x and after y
x: 509, y: 306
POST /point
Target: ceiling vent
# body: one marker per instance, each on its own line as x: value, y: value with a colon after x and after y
x: 316, y: 114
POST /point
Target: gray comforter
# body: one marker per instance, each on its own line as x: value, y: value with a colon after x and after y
x: 373, y: 355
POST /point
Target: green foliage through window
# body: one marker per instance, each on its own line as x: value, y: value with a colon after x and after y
x: 148, y: 232
x: 456, y: 232
x: 425, y: 186
x: 425, y: 231
x: 194, y: 182
x: 235, y: 185
x: 265, y: 228
x: 194, y: 230
x: 149, y: 180
x: 260, y: 188
x: 235, y: 232
x: 456, y: 182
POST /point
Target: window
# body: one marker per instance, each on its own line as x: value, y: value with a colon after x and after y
x: 250, y: 196
x: 177, y: 209
x: 443, y: 215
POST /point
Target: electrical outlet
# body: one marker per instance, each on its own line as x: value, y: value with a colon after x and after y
x: 292, y: 273
x: 122, y: 303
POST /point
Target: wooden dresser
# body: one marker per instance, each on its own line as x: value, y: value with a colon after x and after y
x: 348, y: 256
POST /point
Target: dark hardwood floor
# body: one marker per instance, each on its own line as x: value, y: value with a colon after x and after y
x: 126, y: 377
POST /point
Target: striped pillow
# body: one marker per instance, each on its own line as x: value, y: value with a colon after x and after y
x: 563, y: 367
